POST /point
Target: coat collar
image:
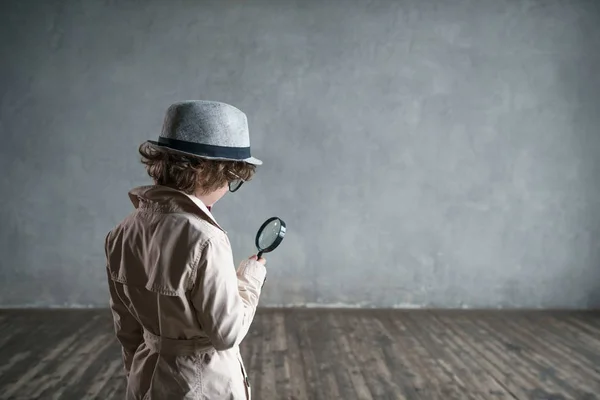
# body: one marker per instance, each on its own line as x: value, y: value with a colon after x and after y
x: 164, y: 197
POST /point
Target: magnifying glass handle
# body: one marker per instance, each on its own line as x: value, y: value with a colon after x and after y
x: 259, y: 255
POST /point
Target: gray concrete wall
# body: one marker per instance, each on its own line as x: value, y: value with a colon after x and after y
x: 423, y: 153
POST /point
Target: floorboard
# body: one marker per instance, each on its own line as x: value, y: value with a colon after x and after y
x: 304, y: 354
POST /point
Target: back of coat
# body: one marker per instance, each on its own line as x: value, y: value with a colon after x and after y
x: 179, y: 306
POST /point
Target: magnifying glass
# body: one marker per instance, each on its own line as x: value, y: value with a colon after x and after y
x: 270, y: 235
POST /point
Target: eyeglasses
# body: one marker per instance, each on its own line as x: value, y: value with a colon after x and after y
x: 236, y: 183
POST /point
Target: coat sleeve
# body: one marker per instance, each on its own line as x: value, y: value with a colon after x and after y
x: 128, y: 330
x: 225, y: 299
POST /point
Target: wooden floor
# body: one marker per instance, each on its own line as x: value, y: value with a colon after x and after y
x: 334, y: 354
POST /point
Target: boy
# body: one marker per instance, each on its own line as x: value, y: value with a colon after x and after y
x: 180, y: 308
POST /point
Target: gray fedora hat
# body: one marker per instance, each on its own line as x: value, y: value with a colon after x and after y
x: 206, y: 129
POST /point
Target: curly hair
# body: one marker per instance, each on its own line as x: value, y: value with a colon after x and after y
x: 191, y: 174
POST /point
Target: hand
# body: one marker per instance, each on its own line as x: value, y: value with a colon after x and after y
x: 262, y: 260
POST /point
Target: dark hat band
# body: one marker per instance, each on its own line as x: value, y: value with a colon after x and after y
x: 207, y: 150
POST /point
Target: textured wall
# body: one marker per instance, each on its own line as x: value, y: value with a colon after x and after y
x: 423, y: 153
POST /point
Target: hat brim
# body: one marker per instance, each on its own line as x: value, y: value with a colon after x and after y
x: 160, y: 147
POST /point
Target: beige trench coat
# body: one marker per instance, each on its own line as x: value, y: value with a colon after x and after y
x: 179, y: 306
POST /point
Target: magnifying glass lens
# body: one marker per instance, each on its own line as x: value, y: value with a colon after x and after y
x: 269, y: 235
